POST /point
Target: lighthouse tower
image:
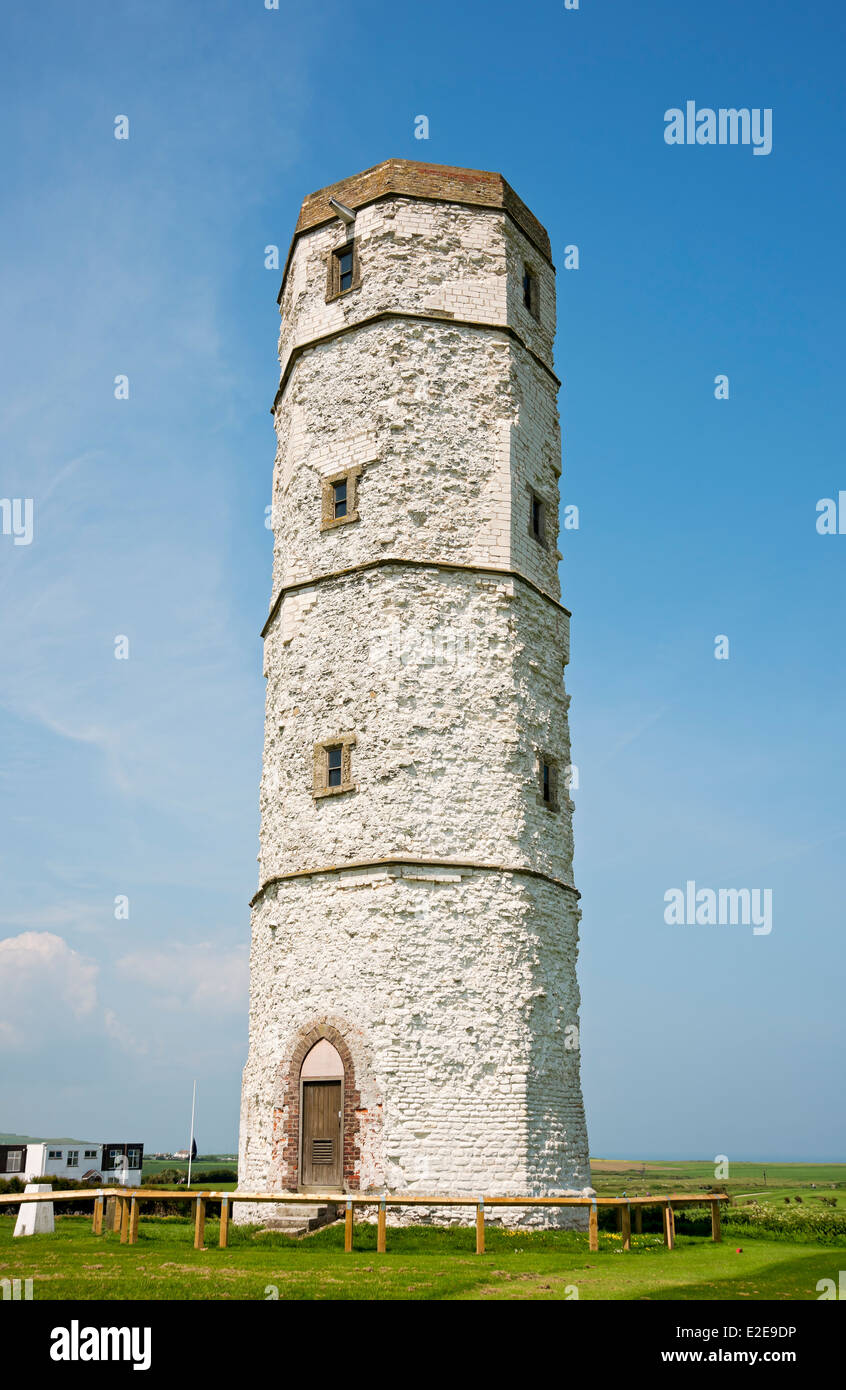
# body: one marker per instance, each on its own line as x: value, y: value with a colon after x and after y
x: 414, y: 1004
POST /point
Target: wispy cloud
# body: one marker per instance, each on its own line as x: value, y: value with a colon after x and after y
x: 202, y: 977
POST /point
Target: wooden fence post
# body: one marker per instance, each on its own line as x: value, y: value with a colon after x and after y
x: 224, y: 1222
x: 593, y: 1227
x: 200, y: 1224
x: 638, y: 1220
x: 134, y: 1208
x: 381, y: 1242
x: 97, y: 1224
x: 669, y: 1227
x: 716, y: 1233
x: 114, y: 1210
x: 124, y: 1220
x: 480, y: 1229
x: 348, y: 1228
x: 626, y: 1226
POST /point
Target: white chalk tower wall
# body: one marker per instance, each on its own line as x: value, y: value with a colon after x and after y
x: 416, y: 919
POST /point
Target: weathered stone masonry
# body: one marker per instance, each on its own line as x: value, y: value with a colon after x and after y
x: 424, y: 920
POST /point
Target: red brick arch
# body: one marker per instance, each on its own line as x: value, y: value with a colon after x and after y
x: 286, y: 1117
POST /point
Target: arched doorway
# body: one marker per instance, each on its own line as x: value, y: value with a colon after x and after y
x: 322, y: 1111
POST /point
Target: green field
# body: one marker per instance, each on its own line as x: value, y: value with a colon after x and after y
x: 767, y: 1183
x: 420, y: 1264
x: 154, y: 1166
x: 771, y: 1249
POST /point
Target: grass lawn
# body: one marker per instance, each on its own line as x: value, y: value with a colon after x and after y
x: 421, y: 1263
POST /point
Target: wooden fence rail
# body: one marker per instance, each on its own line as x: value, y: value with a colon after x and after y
x: 127, y: 1208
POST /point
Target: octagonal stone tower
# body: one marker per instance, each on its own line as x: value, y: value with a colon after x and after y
x: 413, y: 1021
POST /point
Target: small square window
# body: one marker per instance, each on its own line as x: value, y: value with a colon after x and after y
x: 54, y: 1153
x: 333, y: 766
x: 339, y: 502
x: 531, y: 298
x: 14, y: 1161
x: 344, y: 272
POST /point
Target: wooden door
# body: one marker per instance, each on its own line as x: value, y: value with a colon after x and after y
x: 322, y: 1157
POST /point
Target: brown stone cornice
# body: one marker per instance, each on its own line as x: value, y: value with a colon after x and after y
x: 413, y: 178
x: 385, y: 315
x: 384, y: 560
x: 398, y: 861
x: 477, y: 189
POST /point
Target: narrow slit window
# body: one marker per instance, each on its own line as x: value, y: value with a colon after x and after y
x: 530, y: 292
x: 547, y: 774
x: 334, y: 756
x: 339, y: 499
x: 537, y: 517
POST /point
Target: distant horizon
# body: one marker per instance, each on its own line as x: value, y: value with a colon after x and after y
x: 601, y: 1158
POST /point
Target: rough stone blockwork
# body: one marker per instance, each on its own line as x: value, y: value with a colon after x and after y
x: 423, y: 919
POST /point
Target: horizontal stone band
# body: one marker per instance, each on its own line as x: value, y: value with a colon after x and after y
x: 385, y: 560
x: 399, y: 861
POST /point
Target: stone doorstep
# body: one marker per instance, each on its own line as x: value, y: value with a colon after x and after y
x: 299, y: 1218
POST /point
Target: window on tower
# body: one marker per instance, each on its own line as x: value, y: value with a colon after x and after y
x: 334, y: 757
x: 333, y: 765
x: 340, y: 498
x: 548, y: 781
x: 537, y: 517
x: 531, y: 298
x: 344, y: 270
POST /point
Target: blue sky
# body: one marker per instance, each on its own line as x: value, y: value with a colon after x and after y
x: 140, y: 777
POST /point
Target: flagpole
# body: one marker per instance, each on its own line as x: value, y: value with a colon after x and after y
x: 191, y: 1145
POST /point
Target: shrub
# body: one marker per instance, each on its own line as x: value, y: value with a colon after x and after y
x: 9, y: 1185
x: 211, y: 1179
x: 779, y: 1223
x: 168, y: 1177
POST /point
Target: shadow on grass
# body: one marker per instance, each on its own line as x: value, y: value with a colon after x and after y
x: 789, y: 1280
